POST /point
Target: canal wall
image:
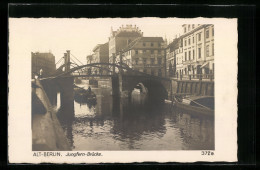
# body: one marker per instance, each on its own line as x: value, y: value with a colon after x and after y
x: 47, y: 133
x: 193, y: 87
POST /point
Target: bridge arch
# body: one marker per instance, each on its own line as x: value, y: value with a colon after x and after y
x: 97, y: 65
x: 157, y: 89
x: 127, y: 79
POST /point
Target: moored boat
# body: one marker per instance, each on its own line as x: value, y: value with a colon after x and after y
x: 167, y: 101
x: 199, y: 104
x: 83, y: 95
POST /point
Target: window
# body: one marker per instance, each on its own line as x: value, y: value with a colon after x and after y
x: 213, y: 49
x: 136, y: 51
x: 159, y: 44
x: 193, y: 25
x: 152, y: 44
x: 136, y: 61
x: 144, y: 44
x: 199, y: 52
x: 152, y: 51
x: 159, y: 72
x: 185, y: 43
x: 144, y: 51
x: 144, y: 60
x: 212, y: 31
x: 185, y: 56
x: 189, y: 41
x: 199, y: 36
x: 152, y: 72
x: 184, y: 29
x: 192, y: 39
x: 145, y: 71
x: 193, y: 54
x: 159, y: 61
x: 207, y: 34
x: 189, y: 55
x: 188, y: 27
x: 159, y: 51
x: 207, y: 50
x: 152, y: 60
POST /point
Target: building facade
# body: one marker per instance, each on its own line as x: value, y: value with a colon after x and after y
x: 90, y: 59
x: 121, y: 38
x: 146, y: 54
x: 198, y: 50
x: 100, y: 55
x: 44, y: 62
x: 173, y: 55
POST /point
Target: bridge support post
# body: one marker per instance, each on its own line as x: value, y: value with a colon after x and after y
x: 171, y: 91
x: 67, y: 96
x: 67, y: 61
x: 115, y: 85
x: 51, y: 91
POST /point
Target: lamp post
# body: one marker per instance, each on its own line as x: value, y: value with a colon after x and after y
x: 189, y: 70
x: 114, y: 58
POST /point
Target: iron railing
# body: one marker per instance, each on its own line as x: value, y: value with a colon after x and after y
x: 195, y: 77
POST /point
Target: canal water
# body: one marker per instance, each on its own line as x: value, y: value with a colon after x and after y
x: 134, y: 124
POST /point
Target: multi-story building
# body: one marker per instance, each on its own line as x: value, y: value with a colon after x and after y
x: 44, y: 62
x: 173, y: 55
x: 90, y: 59
x: 146, y: 54
x: 198, y: 50
x: 121, y: 38
x: 101, y: 56
x: 100, y: 53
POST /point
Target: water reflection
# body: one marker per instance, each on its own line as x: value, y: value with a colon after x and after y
x: 136, y: 124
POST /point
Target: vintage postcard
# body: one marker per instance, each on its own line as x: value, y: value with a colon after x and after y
x: 122, y: 90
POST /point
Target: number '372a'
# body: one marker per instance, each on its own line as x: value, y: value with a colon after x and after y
x: 207, y: 153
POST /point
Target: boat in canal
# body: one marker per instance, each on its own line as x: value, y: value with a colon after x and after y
x: 81, y: 94
x: 198, y: 104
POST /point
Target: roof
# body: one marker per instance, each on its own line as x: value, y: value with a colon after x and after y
x: 143, y: 39
x: 128, y: 34
x: 99, y: 45
x: 196, y: 29
x: 174, y: 44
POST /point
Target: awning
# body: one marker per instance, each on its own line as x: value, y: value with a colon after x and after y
x: 205, y: 65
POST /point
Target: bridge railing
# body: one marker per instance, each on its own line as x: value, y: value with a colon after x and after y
x: 201, y: 77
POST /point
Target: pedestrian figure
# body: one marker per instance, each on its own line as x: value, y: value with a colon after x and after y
x: 89, y: 89
x: 36, y: 76
x: 41, y: 72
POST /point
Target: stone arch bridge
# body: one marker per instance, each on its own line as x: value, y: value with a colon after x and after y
x: 123, y: 80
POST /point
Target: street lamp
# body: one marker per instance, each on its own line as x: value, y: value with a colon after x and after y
x: 189, y: 70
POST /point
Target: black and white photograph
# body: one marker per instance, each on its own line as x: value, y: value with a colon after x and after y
x: 122, y: 84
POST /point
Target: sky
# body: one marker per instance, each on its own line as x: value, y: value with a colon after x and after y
x: 79, y: 36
